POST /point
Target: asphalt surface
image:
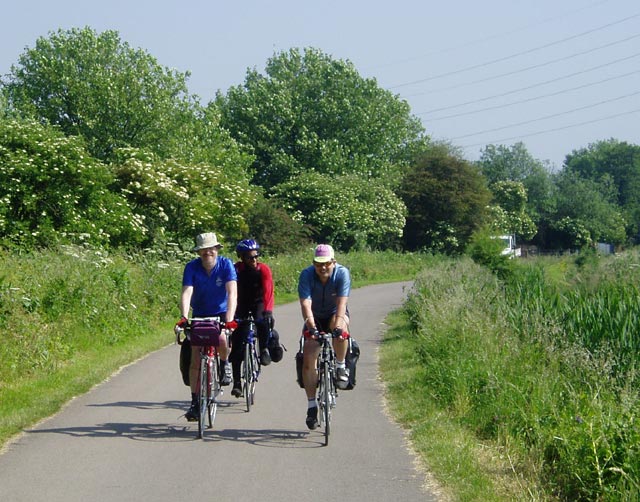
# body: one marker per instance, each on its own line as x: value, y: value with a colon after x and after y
x: 128, y: 440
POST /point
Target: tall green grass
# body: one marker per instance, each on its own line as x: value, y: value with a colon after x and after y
x: 542, y: 365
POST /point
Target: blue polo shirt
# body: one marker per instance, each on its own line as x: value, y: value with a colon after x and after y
x: 323, y: 296
x: 209, y: 293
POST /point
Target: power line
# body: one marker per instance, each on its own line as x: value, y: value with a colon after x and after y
x: 548, y: 116
x: 535, y: 98
x: 505, y: 58
x: 490, y: 37
x: 533, y: 67
x: 546, y: 131
x: 520, y: 89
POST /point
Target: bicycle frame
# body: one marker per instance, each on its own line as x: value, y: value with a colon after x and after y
x: 208, y: 387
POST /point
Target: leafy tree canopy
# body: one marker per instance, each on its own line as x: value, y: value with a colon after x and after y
x: 619, y: 162
x: 311, y: 112
x: 95, y: 86
x: 586, y: 212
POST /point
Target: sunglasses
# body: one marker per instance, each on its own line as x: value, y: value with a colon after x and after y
x: 252, y: 257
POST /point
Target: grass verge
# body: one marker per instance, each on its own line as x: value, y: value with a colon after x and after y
x: 465, y: 468
x: 26, y: 402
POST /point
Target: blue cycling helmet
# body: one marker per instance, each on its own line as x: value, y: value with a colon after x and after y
x: 247, y: 245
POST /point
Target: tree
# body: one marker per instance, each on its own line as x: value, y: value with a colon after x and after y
x: 95, y: 86
x: 620, y: 162
x: 311, y: 112
x: 52, y: 190
x: 500, y: 163
x: 343, y: 210
x: 586, y: 213
x: 446, y: 199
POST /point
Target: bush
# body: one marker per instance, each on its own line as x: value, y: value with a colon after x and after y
x: 52, y: 191
x: 274, y: 229
x: 486, y: 251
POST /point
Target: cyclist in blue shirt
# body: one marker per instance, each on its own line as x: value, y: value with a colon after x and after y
x: 323, y: 290
x: 209, y: 289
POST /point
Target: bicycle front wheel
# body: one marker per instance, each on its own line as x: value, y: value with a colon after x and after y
x: 247, y: 375
x: 203, y: 394
x: 216, y: 389
x: 325, y: 400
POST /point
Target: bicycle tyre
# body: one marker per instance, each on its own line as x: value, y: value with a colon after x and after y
x: 202, y: 395
x: 255, y: 372
x: 247, y: 372
x: 215, y: 389
x: 326, y: 401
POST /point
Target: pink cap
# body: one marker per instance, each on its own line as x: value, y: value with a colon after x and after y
x: 323, y: 253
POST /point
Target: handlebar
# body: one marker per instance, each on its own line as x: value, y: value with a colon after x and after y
x: 322, y: 336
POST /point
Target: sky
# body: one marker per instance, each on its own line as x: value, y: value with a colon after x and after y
x: 554, y: 75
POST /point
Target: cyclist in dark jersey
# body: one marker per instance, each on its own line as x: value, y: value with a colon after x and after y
x: 255, y: 296
x: 323, y: 290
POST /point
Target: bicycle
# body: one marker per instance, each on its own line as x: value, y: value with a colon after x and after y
x: 327, y: 391
x: 203, y: 332
x: 251, y: 361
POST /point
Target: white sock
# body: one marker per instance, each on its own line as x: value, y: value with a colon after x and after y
x: 340, y: 364
x: 312, y: 403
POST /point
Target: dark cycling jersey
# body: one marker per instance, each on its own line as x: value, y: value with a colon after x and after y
x: 255, y: 289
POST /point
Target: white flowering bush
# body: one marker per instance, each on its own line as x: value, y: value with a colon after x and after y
x: 177, y: 201
x: 51, y: 190
x: 349, y: 211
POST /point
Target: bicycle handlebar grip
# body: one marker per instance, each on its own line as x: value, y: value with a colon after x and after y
x: 178, y: 331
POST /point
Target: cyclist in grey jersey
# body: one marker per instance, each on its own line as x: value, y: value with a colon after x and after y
x: 323, y: 290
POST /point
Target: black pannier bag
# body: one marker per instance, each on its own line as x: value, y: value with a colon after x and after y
x: 299, y: 357
x: 351, y: 360
x: 276, y: 350
x: 185, y: 360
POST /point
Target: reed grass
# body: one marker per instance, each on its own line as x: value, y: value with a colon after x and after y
x: 540, y: 366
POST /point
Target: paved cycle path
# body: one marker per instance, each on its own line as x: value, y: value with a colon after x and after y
x: 127, y: 439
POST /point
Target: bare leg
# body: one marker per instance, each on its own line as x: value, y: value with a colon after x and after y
x: 194, y: 369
